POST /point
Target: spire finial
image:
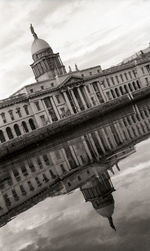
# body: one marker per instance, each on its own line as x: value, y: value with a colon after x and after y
x: 33, y: 32
x: 111, y: 223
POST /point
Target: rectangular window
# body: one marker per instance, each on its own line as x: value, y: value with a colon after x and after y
x: 11, y: 114
x: 117, y: 79
x: 3, y: 117
x: 142, y: 70
x: 130, y: 74
x: 112, y: 79
x: 15, y: 195
x: 46, y: 160
x: 126, y: 76
x: 108, y: 81
x: 37, y: 105
x: 121, y: 77
x: 38, y: 182
x: 43, y: 120
x: 58, y: 99
x: 31, y: 166
x: 30, y: 186
x: 16, y: 174
x: 18, y: 111
x: 147, y: 82
x: 39, y: 163
x: 23, y: 191
x: 26, y: 109
x: 24, y: 170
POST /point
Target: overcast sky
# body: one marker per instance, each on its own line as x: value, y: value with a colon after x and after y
x: 86, y: 32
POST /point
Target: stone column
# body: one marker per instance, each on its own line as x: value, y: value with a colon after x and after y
x: 93, y: 144
x: 55, y: 108
x: 74, y: 155
x: 66, y: 159
x: 86, y: 147
x: 105, y: 138
x: 129, y: 128
x: 99, y: 141
x: 111, y: 136
x: 87, y: 95
x: 101, y: 91
x: 47, y: 113
x: 81, y: 97
x: 75, y: 100
x: 127, y: 136
x: 118, y: 132
x: 68, y: 102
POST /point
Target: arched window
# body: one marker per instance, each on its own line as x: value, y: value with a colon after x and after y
x: 121, y: 90
x: 130, y: 87
x: 2, y: 138
x: 32, y: 125
x: 112, y: 92
x: 17, y: 130
x: 117, y: 93
x: 9, y: 133
x: 24, y: 125
x: 138, y: 84
x: 126, y: 89
x: 134, y: 85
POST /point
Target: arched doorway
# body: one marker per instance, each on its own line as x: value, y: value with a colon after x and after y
x: 134, y: 86
x: 138, y: 84
x: 126, y: 89
x: 117, y: 92
x: 9, y: 133
x: 2, y: 138
x: 130, y: 87
x: 121, y: 90
x: 24, y: 125
x: 112, y: 92
x: 32, y: 125
x: 17, y: 130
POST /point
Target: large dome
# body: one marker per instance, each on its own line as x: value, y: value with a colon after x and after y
x: 106, y: 211
x: 38, y: 45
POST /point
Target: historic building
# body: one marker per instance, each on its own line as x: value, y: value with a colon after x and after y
x: 57, y: 94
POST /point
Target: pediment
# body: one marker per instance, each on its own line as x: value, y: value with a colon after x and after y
x: 71, y: 81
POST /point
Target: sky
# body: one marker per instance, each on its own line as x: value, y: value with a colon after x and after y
x: 85, y: 32
x: 67, y: 222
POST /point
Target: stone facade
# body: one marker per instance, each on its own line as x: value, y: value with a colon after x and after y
x: 58, y: 94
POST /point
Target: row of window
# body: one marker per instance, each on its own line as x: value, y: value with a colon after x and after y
x: 42, y: 87
x: 12, y: 113
x: 121, y: 90
x: 90, y: 73
x: 10, y: 134
x: 127, y: 76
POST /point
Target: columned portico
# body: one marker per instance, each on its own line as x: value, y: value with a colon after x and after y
x: 68, y: 102
x: 81, y: 97
x: 75, y: 100
x: 54, y: 107
x: 88, y: 96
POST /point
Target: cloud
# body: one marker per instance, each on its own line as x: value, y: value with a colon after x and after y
x: 84, y: 32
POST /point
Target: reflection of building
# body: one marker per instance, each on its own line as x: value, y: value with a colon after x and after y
x: 98, y: 191
x: 58, y: 94
x: 31, y: 176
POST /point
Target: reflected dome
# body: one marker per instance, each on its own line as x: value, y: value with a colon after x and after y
x: 106, y: 211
